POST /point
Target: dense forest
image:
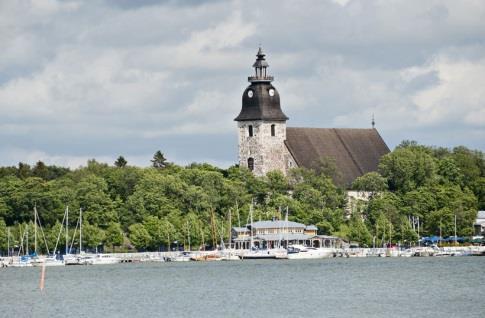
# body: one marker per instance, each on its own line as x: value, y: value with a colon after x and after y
x: 126, y: 207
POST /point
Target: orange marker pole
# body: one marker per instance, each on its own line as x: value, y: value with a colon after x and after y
x: 42, y: 278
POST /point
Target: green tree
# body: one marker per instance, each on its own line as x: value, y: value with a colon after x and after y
x: 122, y: 182
x: 121, y: 162
x: 153, y: 226
x: 159, y: 161
x: 372, y: 182
x: 23, y: 170
x: 407, y: 168
x: 3, y: 236
x: 114, y: 235
x: 92, y: 236
x: 358, y: 231
x: 92, y: 195
x: 139, y: 236
x: 168, y: 231
x: 40, y: 170
x: 450, y: 172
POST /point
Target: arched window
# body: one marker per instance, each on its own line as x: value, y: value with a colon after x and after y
x: 273, y: 130
x: 250, y: 130
x: 251, y: 164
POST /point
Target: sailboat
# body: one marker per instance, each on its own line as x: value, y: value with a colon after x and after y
x: 48, y: 260
x: 228, y: 254
x: 74, y: 259
x: 85, y: 258
x: 25, y: 259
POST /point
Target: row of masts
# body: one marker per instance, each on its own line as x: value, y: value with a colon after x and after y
x: 37, y: 223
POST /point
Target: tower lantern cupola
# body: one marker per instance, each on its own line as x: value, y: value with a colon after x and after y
x: 260, y: 67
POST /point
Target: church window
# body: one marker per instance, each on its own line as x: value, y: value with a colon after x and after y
x: 250, y: 130
x: 273, y: 130
x: 251, y: 164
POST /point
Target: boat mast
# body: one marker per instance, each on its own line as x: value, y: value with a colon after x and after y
x: 238, y: 217
x: 455, y: 229
x: 251, y: 221
x: 229, y: 230
x: 35, y: 229
x: 8, y: 241
x: 287, y: 230
x: 419, y: 239
x: 439, y: 240
x: 80, y: 230
x: 67, y: 229
x: 188, y: 234
x: 213, y: 229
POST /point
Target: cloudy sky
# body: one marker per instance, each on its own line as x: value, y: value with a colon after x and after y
x: 99, y: 79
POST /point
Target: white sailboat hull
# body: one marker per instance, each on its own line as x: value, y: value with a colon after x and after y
x: 48, y: 262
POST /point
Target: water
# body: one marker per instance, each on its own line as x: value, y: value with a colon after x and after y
x: 366, y: 287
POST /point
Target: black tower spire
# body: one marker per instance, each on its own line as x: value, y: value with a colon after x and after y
x: 260, y: 100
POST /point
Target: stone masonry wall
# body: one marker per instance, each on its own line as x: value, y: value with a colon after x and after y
x: 269, y: 152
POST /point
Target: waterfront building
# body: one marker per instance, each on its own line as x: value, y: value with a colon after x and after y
x: 480, y: 223
x: 276, y: 233
x: 267, y: 144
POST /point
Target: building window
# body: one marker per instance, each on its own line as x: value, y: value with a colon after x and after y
x: 250, y: 130
x: 251, y: 164
x: 273, y: 132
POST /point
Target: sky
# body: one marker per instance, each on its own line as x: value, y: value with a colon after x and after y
x: 99, y: 79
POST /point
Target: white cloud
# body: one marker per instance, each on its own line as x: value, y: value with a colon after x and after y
x: 458, y: 97
x: 82, y: 80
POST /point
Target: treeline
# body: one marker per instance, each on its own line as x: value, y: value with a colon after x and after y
x: 151, y: 208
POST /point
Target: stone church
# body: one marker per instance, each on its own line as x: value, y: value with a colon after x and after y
x: 267, y: 144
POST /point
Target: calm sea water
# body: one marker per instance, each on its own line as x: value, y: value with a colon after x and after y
x: 368, y: 287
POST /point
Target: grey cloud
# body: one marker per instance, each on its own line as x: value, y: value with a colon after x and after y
x: 81, y: 80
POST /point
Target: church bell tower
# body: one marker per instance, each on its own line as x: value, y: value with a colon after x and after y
x: 262, y: 124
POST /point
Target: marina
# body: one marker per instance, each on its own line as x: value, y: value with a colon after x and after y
x: 294, y: 252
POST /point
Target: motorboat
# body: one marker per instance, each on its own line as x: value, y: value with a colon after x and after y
x: 406, y: 253
x: 306, y: 252
x: 229, y: 255
x: 101, y: 259
x: 206, y: 257
x: 256, y: 253
x: 181, y: 257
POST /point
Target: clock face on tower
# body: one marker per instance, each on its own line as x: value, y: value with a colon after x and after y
x: 271, y: 92
x: 250, y: 94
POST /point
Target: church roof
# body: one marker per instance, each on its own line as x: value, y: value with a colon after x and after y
x: 356, y: 151
x: 277, y: 224
x: 260, y: 105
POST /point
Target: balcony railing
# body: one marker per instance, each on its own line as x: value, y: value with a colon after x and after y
x: 260, y: 78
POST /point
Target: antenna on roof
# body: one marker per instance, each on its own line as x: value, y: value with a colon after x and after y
x: 373, y: 121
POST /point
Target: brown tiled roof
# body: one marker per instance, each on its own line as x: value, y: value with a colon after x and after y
x: 356, y: 151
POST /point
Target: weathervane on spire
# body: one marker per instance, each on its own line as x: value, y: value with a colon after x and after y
x: 373, y: 121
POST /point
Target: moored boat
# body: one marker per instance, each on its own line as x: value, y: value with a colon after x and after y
x: 180, y: 257
x: 48, y: 261
x: 306, y: 252
x: 206, y: 257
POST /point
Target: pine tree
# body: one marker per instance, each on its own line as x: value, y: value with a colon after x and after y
x: 121, y: 162
x: 159, y: 161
